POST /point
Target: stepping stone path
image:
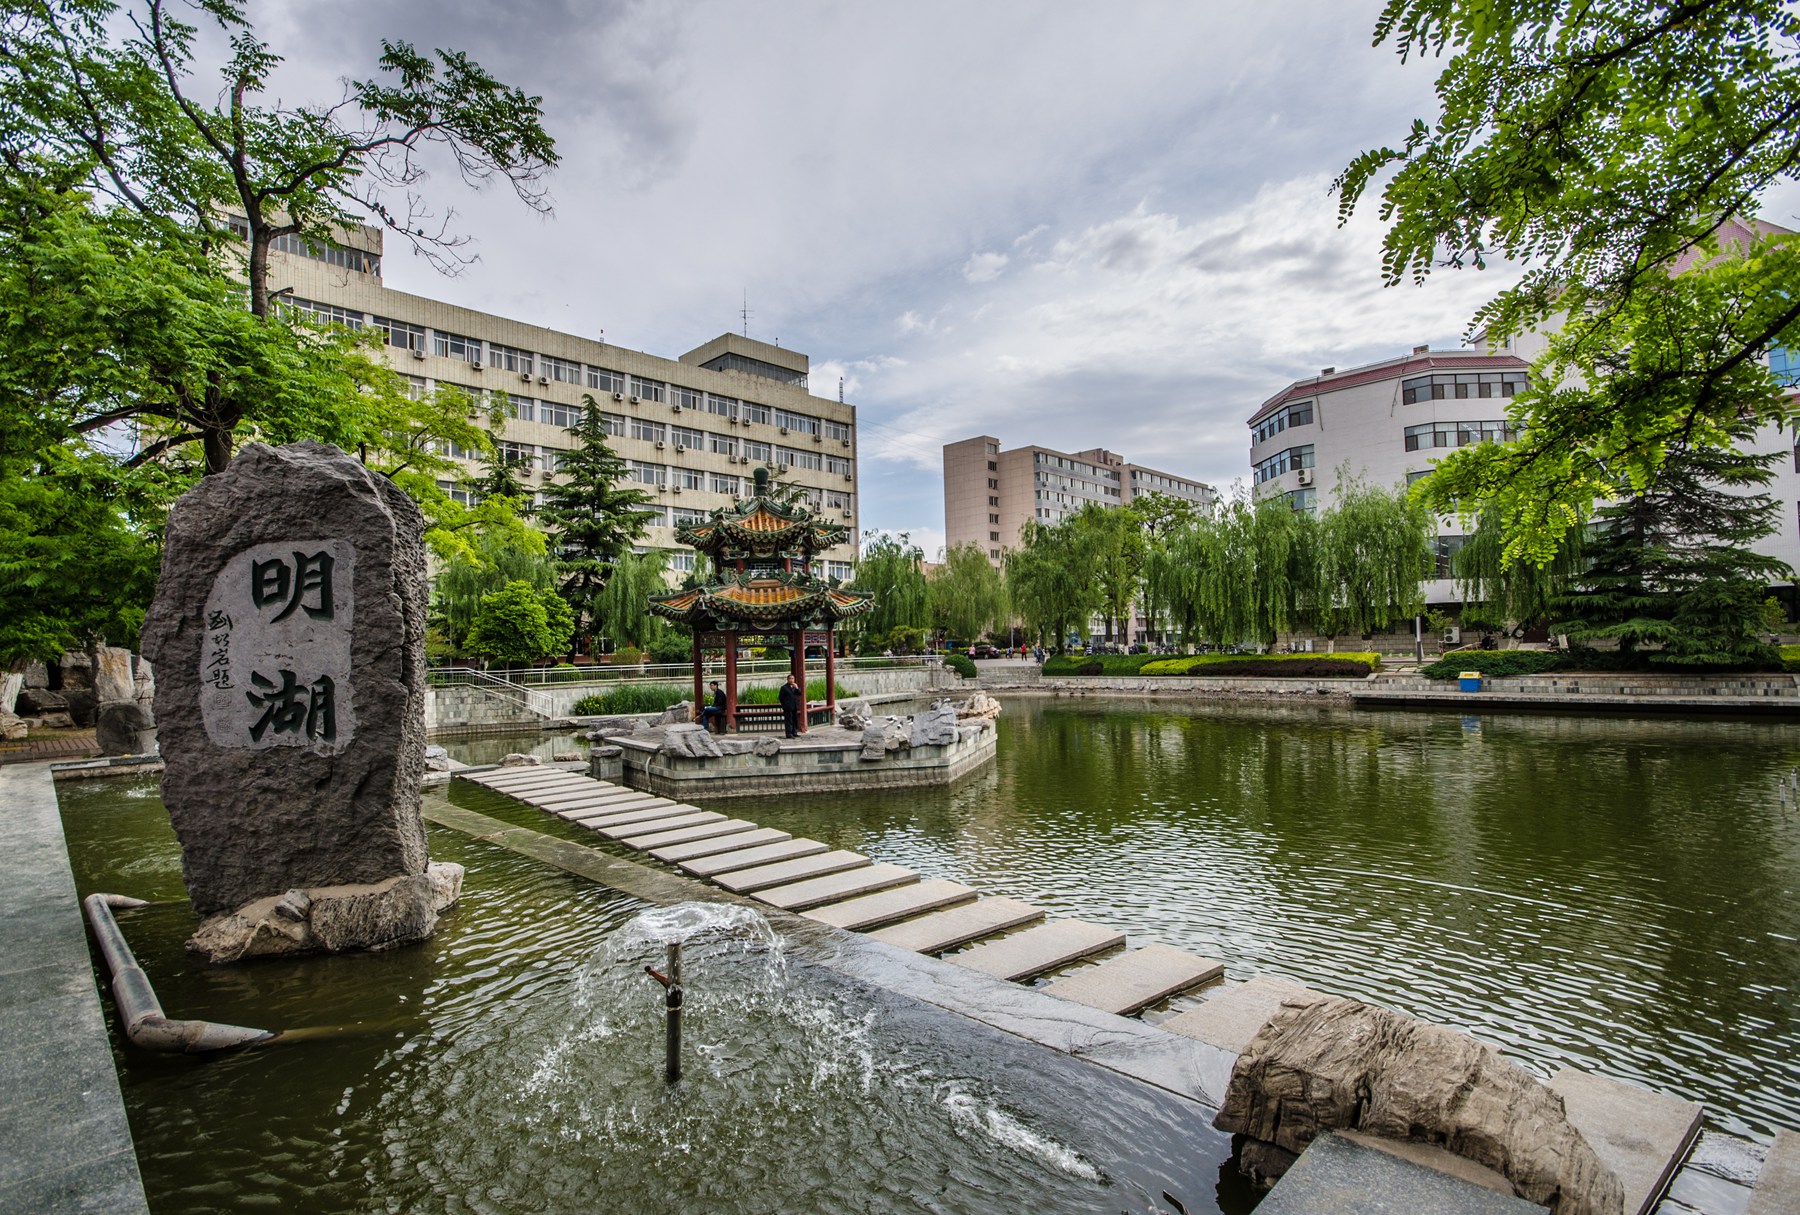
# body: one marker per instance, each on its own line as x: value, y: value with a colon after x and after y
x: 847, y: 890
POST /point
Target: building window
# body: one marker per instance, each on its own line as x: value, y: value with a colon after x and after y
x: 562, y: 371
x: 798, y: 423
x: 721, y: 445
x: 613, y: 424
x: 522, y: 408
x: 993, y: 466
x: 604, y: 380
x: 522, y: 454
x: 1297, y: 413
x: 686, y: 436
x: 750, y: 411
x: 994, y: 554
x: 993, y: 535
x: 1413, y: 478
x: 837, y: 464
x: 647, y: 390
x: 1447, y: 548
x: 455, y: 346
x: 1304, y: 500
x: 1457, y: 434
x: 993, y: 501
x: 401, y: 334
x: 1283, y: 461
x: 837, y: 499
x: 838, y: 432
x: 1459, y: 385
x: 993, y: 518
x: 725, y: 407
x: 550, y: 459
x: 649, y: 432
x: 723, y: 484
x: 686, y: 516
x: 648, y: 474
x: 681, y: 560
x: 459, y: 493
x: 654, y: 516
x: 758, y: 451
x: 322, y: 314
x: 993, y: 483
x: 684, y: 398
x: 1785, y: 366
x: 507, y: 358
x: 558, y: 415
x: 690, y: 478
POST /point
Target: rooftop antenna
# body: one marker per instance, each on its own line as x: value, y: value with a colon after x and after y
x: 840, y: 390
x: 744, y: 313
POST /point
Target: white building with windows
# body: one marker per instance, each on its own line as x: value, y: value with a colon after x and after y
x: 691, y: 429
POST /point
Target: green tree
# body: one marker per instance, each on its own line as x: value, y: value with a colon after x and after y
x: 1242, y: 572
x: 493, y: 559
x: 1162, y: 515
x: 1671, y: 565
x: 1374, y: 553
x: 1615, y: 151
x: 1501, y: 590
x: 1049, y: 580
x: 520, y: 623
x: 891, y: 569
x: 624, y: 603
x: 967, y: 598
x: 1113, y: 542
x: 594, y: 516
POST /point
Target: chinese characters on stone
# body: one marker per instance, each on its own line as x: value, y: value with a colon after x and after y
x: 218, y: 666
x: 288, y: 707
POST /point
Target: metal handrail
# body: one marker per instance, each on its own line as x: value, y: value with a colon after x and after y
x: 525, y: 698
x: 672, y: 672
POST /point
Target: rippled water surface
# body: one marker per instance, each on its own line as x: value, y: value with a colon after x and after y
x: 1621, y: 895
x: 513, y: 1065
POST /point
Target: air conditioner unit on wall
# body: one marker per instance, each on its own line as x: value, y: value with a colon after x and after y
x: 634, y: 400
x: 417, y: 353
x: 525, y: 376
x: 849, y: 476
x: 679, y: 448
x: 619, y: 396
x: 784, y: 430
x: 846, y: 442
x: 1305, y: 477
x: 818, y: 438
x: 743, y: 459
x: 543, y: 379
x: 475, y: 365
x: 674, y: 489
x: 781, y: 468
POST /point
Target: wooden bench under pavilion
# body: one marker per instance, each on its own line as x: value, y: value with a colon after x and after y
x: 763, y: 593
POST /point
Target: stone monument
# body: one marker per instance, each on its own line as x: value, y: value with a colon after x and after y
x: 287, y: 634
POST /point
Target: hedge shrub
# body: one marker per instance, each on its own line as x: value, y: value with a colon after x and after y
x: 632, y: 698
x: 1297, y: 666
x: 1790, y: 659
x: 962, y: 664
x: 1109, y: 664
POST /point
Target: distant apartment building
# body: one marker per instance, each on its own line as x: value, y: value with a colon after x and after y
x: 1389, y: 423
x: 690, y: 429
x: 989, y: 494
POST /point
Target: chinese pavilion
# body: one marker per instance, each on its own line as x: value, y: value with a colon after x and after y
x: 762, y: 591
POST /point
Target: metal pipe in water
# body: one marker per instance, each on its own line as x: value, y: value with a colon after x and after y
x: 672, y: 1001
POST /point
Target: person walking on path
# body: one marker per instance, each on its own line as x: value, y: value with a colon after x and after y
x: 791, y: 697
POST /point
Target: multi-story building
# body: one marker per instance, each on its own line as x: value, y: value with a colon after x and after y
x: 691, y: 429
x: 989, y: 493
x: 1389, y: 422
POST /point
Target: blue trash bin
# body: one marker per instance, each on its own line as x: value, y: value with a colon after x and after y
x: 1470, y: 681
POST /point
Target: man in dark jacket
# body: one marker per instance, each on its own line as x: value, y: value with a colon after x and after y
x: 791, y: 698
x: 713, y: 715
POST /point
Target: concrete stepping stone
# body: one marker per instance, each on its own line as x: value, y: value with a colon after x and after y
x: 632, y: 835
x: 747, y: 881
x: 1037, y: 950
x: 1138, y: 979
x: 875, y: 910
x: 1233, y: 1015
x: 749, y: 858
x: 534, y: 778
x: 1778, y: 1189
x: 539, y: 788
x: 723, y: 843
x: 609, y: 811
x: 613, y: 804
x: 798, y: 896
x: 1336, y: 1175
x: 1641, y: 1136
x: 620, y: 831
x: 656, y: 807
x: 559, y: 795
x: 685, y: 835
x: 943, y: 930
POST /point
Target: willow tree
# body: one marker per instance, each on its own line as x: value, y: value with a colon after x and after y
x: 1240, y: 573
x: 1374, y: 553
x: 1616, y: 152
x: 1511, y: 591
x: 967, y: 597
x: 1049, y: 580
x: 892, y: 569
x: 1112, y: 538
x: 624, y: 604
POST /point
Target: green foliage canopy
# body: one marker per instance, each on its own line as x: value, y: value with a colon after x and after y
x: 966, y: 595
x: 519, y: 623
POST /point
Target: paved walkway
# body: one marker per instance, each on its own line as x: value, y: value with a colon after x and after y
x: 64, y: 1141
x: 63, y: 744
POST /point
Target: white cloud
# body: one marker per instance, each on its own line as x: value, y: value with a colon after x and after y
x: 984, y: 267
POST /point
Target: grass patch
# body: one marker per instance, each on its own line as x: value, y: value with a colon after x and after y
x: 632, y: 698
x: 815, y: 691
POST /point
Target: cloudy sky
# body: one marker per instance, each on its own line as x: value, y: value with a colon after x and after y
x: 1073, y: 225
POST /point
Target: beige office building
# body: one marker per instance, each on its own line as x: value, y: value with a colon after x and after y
x: 989, y: 493
x: 691, y: 429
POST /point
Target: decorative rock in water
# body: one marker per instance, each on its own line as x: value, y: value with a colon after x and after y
x: 518, y: 759
x: 676, y: 715
x: 113, y: 678
x: 566, y: 757
x: 437, y: 759
x: 854, y: 714
x: 1334, y: 1064
x: 288, y: 636
x: 980, y: 706
x: 936, y: 726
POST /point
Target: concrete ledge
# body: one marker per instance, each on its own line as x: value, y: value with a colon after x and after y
x: 1339, y: 1176
x: 803, y: 767
x: 65, y: 1144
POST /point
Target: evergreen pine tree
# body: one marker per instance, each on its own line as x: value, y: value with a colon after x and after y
x: 592, y: 519
x: 1672, y: 564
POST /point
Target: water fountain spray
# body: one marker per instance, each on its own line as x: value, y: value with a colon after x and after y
x: 672, y: 1002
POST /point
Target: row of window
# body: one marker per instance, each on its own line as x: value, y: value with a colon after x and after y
x: 1077, y: 485
x: 1146, y: 482
x: 1281, y: 462
x: 671, y: 516
x: 1458, y: 434
x: 1445, y: 386
x: 1295, y: 413
x: 359, y: 260
x: 1082, y: 468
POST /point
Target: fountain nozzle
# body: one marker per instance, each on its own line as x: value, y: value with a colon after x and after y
x: 672, y: 1003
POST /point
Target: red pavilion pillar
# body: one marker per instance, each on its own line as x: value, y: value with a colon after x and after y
x: 731, y: 650
x: 797, y: 666
x: 698, y: 703
x: 831, y: 672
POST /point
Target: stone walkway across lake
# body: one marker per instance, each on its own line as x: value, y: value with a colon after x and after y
x: 1007, y: 938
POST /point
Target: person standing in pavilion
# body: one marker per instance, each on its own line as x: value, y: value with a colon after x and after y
x: 791, y: 697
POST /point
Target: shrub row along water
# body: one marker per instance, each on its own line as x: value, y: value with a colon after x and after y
x: 655, y: 697
x: 1351, y: 664
x: 1498, y: 663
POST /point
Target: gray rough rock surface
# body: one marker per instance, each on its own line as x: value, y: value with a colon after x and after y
x: 77, y: 670
x: 691, y: 742
x: 854, y: 714
x: 766, y: 747
x: 676, y: 715
x: 1337, y: 1064
x: 12, y: 729
x: 84, y: 706
x: 143, y: 684
x: 35, y: 702
x: 113, y: 678
x: 257, y: 822
x: 56, y: 721
x: 979, y: 706
x: 567, y: 757
x: 369, y: 915
x: 935, y: 727
x: 10, y: 687
x: 120, y: 726
x: 610, y: 727
x: 37, y: 675
x: 436, y: 759
x: 518, y: 759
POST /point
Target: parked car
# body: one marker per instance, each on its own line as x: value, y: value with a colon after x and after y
x: 983, y: 650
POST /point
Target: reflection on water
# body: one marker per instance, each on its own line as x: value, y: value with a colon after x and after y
x: 1616, y: 894
x: 513, y: 1064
